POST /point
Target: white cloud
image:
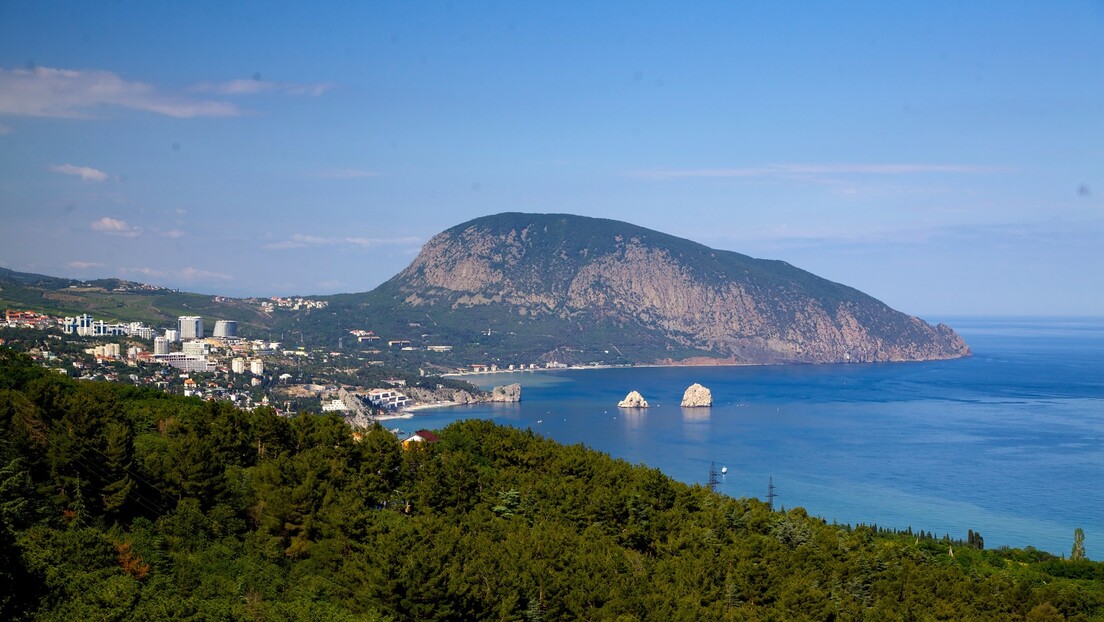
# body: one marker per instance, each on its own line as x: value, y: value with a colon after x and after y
x: 299, y: 240
x: 147, y: 272
x: 252, y: 87
x: 87, y: 173
x: 174, y: 233
x: 84, y: 265
x: 195, y: 274
x: 51, y: 92
x: 811, y: 172
x: 185, y: 274
x: 113, y: 226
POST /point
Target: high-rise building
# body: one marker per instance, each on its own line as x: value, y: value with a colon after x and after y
x: 191, y: 327
x: 172, y: 335
x: 226, y: 328
x: 256, y: 367
x: 237, y: 365
x: 160, y: 345
x: 80, y: 325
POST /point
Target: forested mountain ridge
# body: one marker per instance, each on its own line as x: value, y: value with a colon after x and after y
x: 564, y: 287
x: 119, y: 503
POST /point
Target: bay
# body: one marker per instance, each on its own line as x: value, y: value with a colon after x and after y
x: 1008, y: 442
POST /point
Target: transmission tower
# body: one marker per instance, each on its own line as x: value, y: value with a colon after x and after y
x: 712, y: 483
x: 770, y: 492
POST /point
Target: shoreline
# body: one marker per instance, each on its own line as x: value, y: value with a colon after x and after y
x: 465, y: 374
x: 408, y: 412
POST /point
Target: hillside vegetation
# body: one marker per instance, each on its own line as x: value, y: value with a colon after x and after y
x: 123, y: 301
x: 126, y: 504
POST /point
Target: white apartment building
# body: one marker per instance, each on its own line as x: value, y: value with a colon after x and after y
x: 190, y: 326
x: 237, y: 365
x: 185, y: 362
x: 160, y: 345
x: 172, y: 335
x: 140, y: 330
x: 256, y: 367
x: 226, y: 328
x: 80, y: 325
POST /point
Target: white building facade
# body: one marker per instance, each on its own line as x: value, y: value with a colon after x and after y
x: 190, y: 327
x: 196, y: 347
x: 226, y: 328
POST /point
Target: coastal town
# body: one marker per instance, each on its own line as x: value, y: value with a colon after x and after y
x: 220, y: 364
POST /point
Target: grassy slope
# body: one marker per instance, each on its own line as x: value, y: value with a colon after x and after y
x: 66, y: 297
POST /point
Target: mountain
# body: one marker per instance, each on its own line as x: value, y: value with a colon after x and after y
x: 541, y: 287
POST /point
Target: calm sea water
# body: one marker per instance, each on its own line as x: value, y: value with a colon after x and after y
x: 1009, y: 443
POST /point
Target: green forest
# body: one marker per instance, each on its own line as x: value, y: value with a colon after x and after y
x: 121, y: 503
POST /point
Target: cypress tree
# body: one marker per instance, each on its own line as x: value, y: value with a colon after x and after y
x: 1078, y: 552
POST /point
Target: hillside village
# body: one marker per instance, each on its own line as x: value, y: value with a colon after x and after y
x: 222, y: 365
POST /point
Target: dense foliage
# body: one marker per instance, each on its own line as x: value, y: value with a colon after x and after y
x: 122, y: 503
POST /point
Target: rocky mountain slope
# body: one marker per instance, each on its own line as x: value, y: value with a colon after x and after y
x: 577, y: 289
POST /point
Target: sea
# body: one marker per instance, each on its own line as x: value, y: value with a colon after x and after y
x: 1008, y: 443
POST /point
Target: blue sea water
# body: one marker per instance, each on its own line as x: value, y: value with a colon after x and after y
x: 1008, y: 442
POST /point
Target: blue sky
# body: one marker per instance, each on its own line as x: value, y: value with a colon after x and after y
x: 947, y: 158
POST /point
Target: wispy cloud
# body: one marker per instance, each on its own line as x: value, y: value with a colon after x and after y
x: 195, y: 274
x: 83, y: 265
x: 812, y: 172
x: 189, y: 274
x: 255, y: 86
x: 87, y: 173
x: 347, y: 173
x: 299, y: 240
x: 145, y: 272
x: 113, y: 226
x: 52, y: 92
x: 174, y: 233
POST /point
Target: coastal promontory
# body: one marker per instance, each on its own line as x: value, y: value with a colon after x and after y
x: 559, y: 288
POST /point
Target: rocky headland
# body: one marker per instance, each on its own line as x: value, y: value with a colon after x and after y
x: 448, y: 396
x: 576, y: 290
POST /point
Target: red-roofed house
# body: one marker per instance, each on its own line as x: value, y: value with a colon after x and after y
x: 421, y: 436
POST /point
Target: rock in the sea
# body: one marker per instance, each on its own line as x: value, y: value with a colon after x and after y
x: 633, y: 400
x: 507, y: 393
x: 697, y: 396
